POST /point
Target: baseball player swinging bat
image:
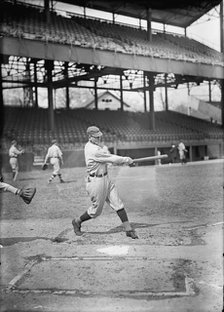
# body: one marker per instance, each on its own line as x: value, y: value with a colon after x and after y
x: 150, y: 158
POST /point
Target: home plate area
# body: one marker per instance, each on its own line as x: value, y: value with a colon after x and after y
x: 106, y: 275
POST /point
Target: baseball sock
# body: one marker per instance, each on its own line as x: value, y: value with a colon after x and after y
x: 124, y: 219
x: 60, y: 177
x: 84, y: 217
x: 52, y: 177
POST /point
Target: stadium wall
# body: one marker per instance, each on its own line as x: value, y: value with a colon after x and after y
x: 75, y: 158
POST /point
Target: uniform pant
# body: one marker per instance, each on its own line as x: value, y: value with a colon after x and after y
x: 55, y: 162
x: 101, y: 190
x: 182, y: 155
x: 13, y: 161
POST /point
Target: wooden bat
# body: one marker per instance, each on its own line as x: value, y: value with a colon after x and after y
x: 150, y: 158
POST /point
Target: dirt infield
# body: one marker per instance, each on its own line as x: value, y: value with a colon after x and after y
x: 175, y: 265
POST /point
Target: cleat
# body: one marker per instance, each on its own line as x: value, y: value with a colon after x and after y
x: 132, y: 234
x: 62, y: 181
x: 77, y: 228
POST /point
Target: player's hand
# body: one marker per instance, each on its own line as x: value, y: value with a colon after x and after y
x: 128, y: 160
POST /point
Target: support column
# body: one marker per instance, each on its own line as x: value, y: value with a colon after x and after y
x: 209, y: 91
x: 222, y: 101
x: 47, y: 10
x: 1, y: 104
x: 96, y: 95
x: 190, y: 153
x: 35, y: 84
x: 28, y: 90
x: 67, y: 87
x: 121, y: 91
x: 144, y: 91
x: 151, y: 100
x: 49, y: 67
x: 221, y: 27
x: 222, y: 50
x: 149, y: 26
x: 166, y: 94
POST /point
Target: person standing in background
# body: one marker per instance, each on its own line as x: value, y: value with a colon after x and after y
x: 182, y: 151
x: 55, y: 155
x: 14, y: 152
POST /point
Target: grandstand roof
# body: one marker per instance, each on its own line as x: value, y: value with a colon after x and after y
x: 173, y: 12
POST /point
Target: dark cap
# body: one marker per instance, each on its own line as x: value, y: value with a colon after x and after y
x: 94, y: 132
x: 14, y: 142
x: 53, y: 141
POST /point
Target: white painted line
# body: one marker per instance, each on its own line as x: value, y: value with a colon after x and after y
x: 204, y: 225
x: 189, y: 286
x: 115, y: 250
x: 27, y: 268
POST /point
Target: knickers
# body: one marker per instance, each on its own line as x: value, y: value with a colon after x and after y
x: 101, y: 190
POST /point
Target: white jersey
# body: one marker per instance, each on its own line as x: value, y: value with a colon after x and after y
x: 14, y: 152
x: 181, y: 147
x: 97, y: 158
x: 54, y: 152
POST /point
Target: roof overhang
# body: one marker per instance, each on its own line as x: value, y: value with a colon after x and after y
x: 173, y: 12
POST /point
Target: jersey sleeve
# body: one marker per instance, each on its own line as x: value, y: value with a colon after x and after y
x: 8, y: 188
x: 102, y: 157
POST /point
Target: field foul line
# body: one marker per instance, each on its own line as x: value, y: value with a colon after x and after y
x: 204, y: 225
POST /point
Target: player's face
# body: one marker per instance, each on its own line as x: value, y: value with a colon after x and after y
x: 96, y: 140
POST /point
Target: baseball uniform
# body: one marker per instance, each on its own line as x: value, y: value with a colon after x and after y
x: 98, y: 185
x: 55, y: 154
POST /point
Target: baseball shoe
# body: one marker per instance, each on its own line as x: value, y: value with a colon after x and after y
x: 62, y: 181
x: 131, y: 234
x: 77, y: 227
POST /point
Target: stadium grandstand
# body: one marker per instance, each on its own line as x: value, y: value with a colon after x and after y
x: 43, y: 47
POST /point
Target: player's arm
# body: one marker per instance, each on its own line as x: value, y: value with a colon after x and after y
x: 8, y: 188
x: 103, y: 157
x: 26, y: 193
x: 60, y: 155
x: 17, y: 152
x: 46, y: 157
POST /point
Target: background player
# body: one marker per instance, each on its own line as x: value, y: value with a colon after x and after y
x: 54, y: 153
x: 99, y: 187
x: 182, y: 150
x: 14, y: 152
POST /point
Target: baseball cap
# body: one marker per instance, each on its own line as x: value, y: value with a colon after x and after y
x: 53, y: 141
x: 94, y: 131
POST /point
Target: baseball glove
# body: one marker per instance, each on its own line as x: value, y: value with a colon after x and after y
x: 27, y: 193
x: 45, y: 166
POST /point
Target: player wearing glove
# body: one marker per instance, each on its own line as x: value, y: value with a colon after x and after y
x: 99, y: 187
x: 26, y: 193
x: 54, y: 153
x: 14, y: 153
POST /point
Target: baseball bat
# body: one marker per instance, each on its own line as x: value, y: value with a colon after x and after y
x: 150, y: 158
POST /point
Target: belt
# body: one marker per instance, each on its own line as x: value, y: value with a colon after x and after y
x: 13, y: 156
x: 97, y: 175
